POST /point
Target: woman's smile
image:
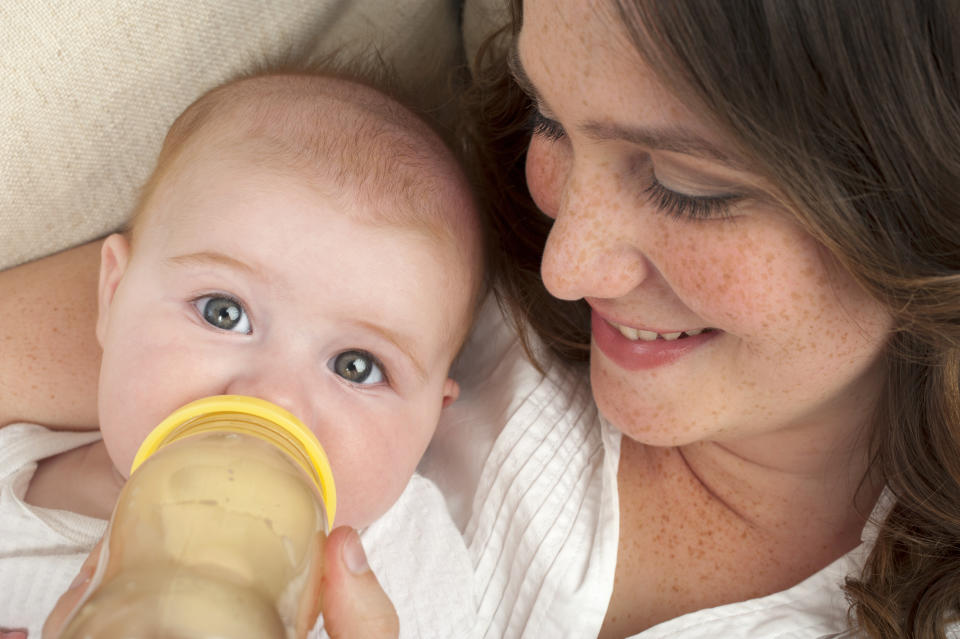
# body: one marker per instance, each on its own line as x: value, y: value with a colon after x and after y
x: 635, y: 349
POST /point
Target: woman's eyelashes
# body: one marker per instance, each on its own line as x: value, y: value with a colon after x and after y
x: 358, y: 367
x: 539, y: 124
x: 223, y: 312
x: 692, y: 207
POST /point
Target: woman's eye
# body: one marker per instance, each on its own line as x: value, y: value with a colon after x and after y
x: 359, y: 367
x: 224, y: 313
x: 691, y: 207
x: 539, y: 124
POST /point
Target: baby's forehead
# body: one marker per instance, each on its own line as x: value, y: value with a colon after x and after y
x: 343, y: 138
x: 344, y: 132
x: 379, y: 162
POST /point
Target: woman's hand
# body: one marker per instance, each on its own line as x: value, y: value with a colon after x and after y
x: 354, y: 605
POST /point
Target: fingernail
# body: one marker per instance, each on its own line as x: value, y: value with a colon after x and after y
x: 353, y: 555
x: 13, y: 634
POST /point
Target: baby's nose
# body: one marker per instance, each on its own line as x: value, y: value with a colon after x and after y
x: 277, y: 386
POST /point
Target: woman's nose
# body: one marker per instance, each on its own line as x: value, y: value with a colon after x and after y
x: 592, y: 249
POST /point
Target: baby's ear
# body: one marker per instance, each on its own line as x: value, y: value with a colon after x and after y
x: 113, y: 264
x: 451, y: 390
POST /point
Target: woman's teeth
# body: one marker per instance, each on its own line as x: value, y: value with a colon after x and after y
x: 634, y: 334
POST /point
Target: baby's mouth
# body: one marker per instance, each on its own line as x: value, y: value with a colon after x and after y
x: 637, y: 334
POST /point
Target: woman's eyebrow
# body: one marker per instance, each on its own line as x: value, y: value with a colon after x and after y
x: 675, y: 139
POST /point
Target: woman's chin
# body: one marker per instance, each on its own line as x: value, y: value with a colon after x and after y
x: 643, y: 418
x: 650, y: 430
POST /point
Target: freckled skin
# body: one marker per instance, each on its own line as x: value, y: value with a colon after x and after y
x: 38, y: 354
x: 730, y: 445
x: 758, y: 277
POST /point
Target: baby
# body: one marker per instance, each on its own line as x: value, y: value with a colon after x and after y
x: 304, y: 239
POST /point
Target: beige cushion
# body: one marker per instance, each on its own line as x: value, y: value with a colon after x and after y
x: 482, y: 18
x: 90, y: 87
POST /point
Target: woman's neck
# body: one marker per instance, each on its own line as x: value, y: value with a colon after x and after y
x: 702, y: 526
x: 820, y: 473
x: 714, y: 523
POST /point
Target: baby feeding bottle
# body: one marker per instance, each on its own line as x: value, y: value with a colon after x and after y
x: 218, y: 532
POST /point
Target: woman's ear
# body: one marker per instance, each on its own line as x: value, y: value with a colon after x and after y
x: 113, y: 263
x: 451, y: 391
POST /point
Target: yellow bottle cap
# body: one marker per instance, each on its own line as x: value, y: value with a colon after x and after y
x: 252, y: 416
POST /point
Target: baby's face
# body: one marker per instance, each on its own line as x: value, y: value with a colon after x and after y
x: 246, y: 281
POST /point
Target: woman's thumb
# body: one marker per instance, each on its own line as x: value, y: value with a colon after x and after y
x: 353, y: 603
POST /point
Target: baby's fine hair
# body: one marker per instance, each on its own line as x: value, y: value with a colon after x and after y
x: 338, y: 132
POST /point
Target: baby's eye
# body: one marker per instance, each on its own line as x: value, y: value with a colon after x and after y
x: 224, y: 313
x: 359, y: 367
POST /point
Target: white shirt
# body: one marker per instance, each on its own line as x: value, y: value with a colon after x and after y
x: 542, y: 526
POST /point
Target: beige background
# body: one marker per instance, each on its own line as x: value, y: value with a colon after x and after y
x: 90, y: 87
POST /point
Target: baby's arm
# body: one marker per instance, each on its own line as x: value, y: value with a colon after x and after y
x: 49, y: 355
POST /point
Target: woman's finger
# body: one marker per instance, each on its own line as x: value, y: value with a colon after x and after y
x: 353, y: 603
x: 69, y: 600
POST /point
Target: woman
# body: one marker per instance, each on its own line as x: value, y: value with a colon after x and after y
x: 757, y: 202
x: 778, y: 183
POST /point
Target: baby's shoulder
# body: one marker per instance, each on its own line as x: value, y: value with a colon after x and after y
x: 61, y: 470
x: 23, y: 444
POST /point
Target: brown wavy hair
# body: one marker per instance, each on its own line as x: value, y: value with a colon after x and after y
x: 853, y: 109
x: 496, y: 130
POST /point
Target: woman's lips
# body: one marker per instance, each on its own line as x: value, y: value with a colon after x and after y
x: 643, y: 354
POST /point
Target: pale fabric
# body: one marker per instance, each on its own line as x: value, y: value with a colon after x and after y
x: 422, y: 563
x: 90, y: 88
x: 415, y: 549
x: 41, y: 549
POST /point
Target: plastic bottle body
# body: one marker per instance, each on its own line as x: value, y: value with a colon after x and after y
x: 218, y: 534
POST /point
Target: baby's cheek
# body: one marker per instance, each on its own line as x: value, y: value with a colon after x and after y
x: 368, y: 483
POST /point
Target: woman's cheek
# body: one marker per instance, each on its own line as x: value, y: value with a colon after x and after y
x: 546, y: 174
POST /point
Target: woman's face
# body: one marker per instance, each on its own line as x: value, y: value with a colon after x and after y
x: 715, y: 316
